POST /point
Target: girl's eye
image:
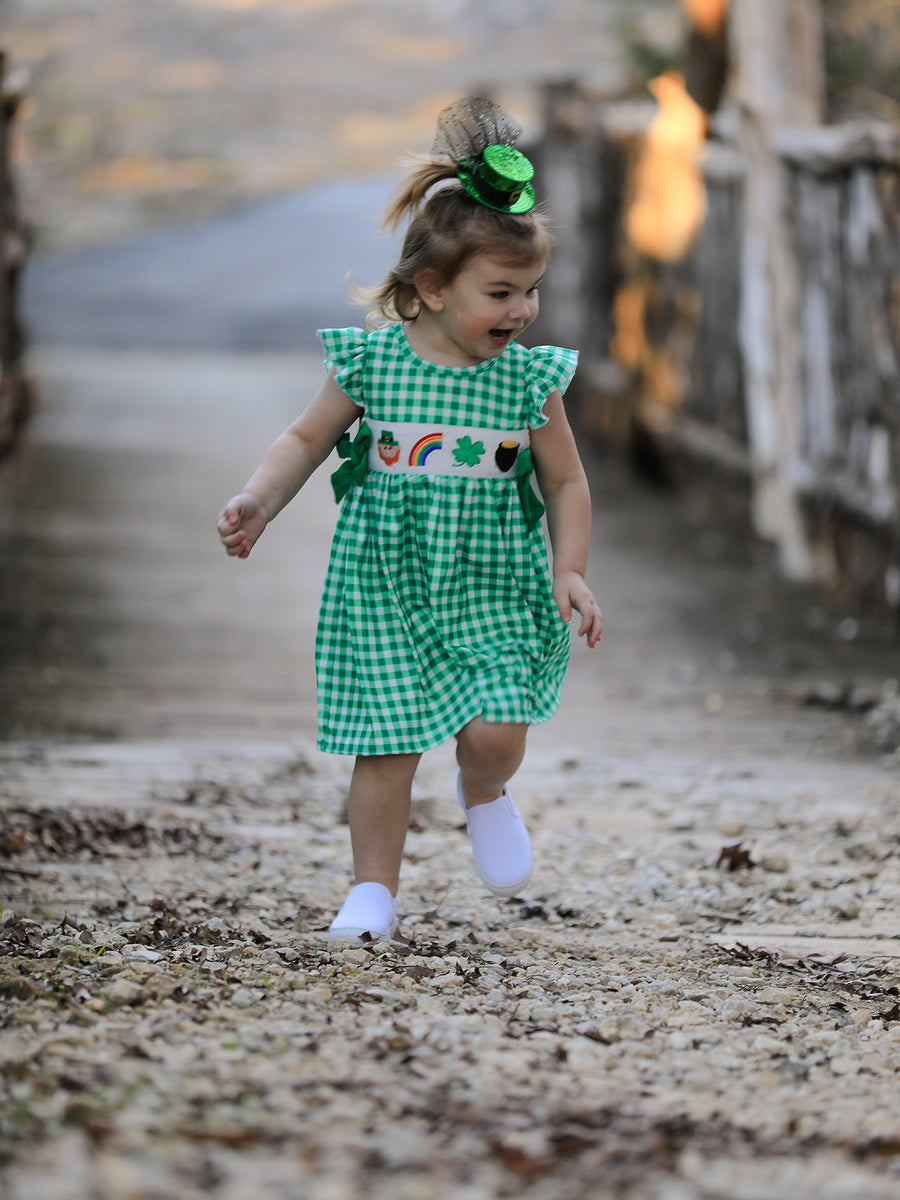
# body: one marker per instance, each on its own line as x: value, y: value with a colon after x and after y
x: 532, y: 291
x: 499, y: 295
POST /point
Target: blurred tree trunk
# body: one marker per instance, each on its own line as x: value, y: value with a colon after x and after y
x: 777, y: 49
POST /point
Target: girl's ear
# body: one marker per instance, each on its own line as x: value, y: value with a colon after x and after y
x: 430, y: 289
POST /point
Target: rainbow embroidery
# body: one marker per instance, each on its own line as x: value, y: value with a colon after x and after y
x: 423, y: 447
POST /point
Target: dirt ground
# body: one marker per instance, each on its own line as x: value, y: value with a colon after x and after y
x: 698, y: 999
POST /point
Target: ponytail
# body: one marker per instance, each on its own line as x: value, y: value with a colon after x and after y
x: 447, y: 228
x: 424, y: 174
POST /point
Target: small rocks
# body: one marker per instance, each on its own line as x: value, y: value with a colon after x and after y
x: 208, y: 1020
x: 355, y: 956
x: 844, y: 902
x: 882, y: 721
x: 124, y: 991
x: 15, y: 986
x: 111, y: 959
x: 730, y: 826
x: 774, y: 1047
x: 142, y: 955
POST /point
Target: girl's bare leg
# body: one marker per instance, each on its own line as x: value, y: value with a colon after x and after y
x: 488, y: 757
x: 378, y: 808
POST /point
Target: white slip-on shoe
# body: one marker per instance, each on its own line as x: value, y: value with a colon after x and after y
x: 370, y: 911
x: 501, y: 846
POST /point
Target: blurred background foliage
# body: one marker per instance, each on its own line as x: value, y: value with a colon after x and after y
x: 862, y: 52
x: 137, y: 114
x: 862, y: 57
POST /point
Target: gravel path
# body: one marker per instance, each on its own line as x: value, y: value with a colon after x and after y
x: 638, y: 1026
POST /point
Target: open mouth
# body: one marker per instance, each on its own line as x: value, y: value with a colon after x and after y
x: 501, y: 336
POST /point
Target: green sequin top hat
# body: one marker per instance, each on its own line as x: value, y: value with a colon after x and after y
x: 480, y: 138
x: 500, y: 178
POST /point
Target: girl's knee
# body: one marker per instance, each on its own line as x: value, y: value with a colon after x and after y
x: 386, y: 768
x: 492, y: 744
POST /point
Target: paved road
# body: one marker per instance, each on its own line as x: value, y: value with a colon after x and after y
x: 258, y: 279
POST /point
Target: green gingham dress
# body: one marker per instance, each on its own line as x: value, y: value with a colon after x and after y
x: 437, y: 604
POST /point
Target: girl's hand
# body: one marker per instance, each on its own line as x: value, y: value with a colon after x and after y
x: 240, y: 524
x: 570, y: 591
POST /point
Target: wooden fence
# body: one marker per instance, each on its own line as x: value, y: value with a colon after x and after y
x: 15, y: 393
x: 673, y: 349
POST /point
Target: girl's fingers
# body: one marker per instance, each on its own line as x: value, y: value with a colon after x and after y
x: 237, y: 544
x: 228, y: 520
x: 591, y: 622
x: 563, y: 602
x: 597, y: 631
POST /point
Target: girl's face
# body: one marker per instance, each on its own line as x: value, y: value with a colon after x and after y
x: 483, y: 309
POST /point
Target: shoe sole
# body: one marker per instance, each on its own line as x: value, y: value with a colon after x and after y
x: 506, y: 892
x: 360, y: 937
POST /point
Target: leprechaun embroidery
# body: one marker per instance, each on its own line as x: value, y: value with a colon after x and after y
x: 388, y: 448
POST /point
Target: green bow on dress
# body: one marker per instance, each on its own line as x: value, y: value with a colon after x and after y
x: 357, y: 465
x: 531, y: 506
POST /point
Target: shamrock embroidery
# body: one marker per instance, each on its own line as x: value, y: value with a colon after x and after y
x: 468, y: 453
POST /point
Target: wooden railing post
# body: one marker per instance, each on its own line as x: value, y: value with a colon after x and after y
x: 14, y: 388
x: 779, y: 82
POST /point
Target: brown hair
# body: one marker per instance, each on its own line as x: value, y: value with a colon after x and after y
x: 446, y: 230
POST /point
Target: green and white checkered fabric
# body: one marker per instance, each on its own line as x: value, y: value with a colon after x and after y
x: 438, y: 604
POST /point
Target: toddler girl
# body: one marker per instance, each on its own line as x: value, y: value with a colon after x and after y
x: 440, y: 616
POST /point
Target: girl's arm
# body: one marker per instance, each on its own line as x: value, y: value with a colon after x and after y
x: 285, y: 467
x: 564, y: 488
